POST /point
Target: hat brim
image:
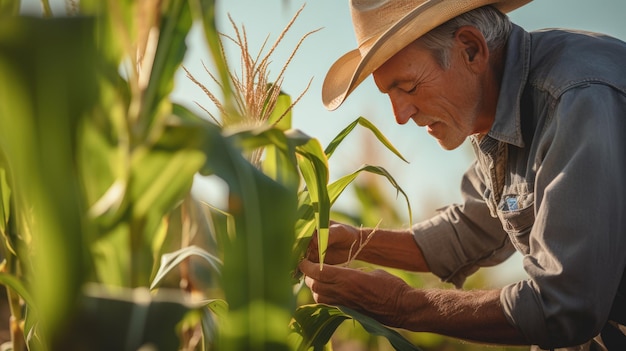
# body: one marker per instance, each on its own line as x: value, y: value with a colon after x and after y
x: 353, y: 68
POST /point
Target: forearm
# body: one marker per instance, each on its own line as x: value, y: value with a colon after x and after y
x: 391, y: 248
x: 468, y: 315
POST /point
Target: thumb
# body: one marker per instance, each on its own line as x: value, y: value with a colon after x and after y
x: 329, y: 274
x: 310, y: 269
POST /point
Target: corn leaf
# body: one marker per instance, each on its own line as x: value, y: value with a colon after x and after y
x: 171, y: 260
x: 367, y: 124
x: 206, y: 10
x: 335, y: 189
x: 162, y: 176
x: 280, y: 151
x: 169, y: 55
x: 210, y: 328
x: 338, y: 186
x: 38, y: 131
x: 16, y: 285
x: 314, y: 168
x: 278, y: 164
x: 317, y: 323
x: 281, y: 114
x: 306, y: 221
x: 9, y: 7
x: 5, y: 205
x: 258, y: 252
x: 309, y: 202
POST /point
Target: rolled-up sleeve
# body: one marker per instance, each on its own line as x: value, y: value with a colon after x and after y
x: 462, y: 238
x: 578, y: 241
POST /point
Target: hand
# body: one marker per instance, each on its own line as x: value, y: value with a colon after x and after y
x: 343, y: 242
x: 377, y: 294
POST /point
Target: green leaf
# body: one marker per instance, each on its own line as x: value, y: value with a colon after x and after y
x: 306, y: 221
x: 281, y: 114
x: 112, y: 256
x: 280, y: 156
x: 17, y: 286
x: 103, y: 168
x: 210, y: 328
x: 48, y: 86
x: 9, y: 7
x: 5, y: 205
x: 171, y: 260
x: 205, y: 9
x: 376, y: 328
x: 318, y: 198
x: 217, y: 306
x: 335, y: 189
x: 161, y: 177
x: 175, y: 26
x: 258, y: 253
x: 314, y: 168
x: 367, y: 124
x: 317, y: 323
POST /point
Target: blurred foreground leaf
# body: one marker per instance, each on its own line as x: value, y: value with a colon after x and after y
x: 48, y: 86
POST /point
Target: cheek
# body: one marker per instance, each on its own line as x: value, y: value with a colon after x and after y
x: 461, y: 105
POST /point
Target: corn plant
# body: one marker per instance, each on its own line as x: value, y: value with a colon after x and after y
x: 104, y: 245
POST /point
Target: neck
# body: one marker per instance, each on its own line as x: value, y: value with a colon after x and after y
x: 491, y: 90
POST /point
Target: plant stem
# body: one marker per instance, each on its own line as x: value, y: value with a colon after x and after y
x: 47, y: 10
x: 15, y: 307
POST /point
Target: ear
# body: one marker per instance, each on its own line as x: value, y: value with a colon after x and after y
x: 473, y: 47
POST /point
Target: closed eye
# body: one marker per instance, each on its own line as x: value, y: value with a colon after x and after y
x: 412, y: 90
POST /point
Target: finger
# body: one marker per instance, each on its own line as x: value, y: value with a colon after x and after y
x: 321, y: 292
x: 312, y: 252
x: 327, y: 274
x: 309, y: 268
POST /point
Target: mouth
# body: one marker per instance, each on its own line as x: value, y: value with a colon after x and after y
x: 424, y: 123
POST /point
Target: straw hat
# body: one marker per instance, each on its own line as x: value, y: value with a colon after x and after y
x: 384, y: 27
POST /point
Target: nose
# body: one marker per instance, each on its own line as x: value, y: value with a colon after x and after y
x: 402, y: 108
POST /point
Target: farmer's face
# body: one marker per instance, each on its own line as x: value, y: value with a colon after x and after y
x: 448, y: 102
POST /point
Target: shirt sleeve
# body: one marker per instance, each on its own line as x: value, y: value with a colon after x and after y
x: 464, y: 237
x: 578, y: 241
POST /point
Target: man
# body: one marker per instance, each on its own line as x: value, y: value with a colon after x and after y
x: 546, y: 115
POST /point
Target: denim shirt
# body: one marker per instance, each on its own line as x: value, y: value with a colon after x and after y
x: 548, y: 181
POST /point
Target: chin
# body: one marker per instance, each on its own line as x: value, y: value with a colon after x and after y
x: 449, y: 145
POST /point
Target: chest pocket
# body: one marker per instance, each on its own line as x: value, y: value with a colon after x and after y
x: 517, y: 215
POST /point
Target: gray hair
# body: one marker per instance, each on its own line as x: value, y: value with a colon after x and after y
x: 493, y: 24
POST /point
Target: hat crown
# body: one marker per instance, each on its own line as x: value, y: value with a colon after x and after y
x: 372, y: 18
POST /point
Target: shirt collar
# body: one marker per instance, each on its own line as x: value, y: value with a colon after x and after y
x: 506, y: 126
